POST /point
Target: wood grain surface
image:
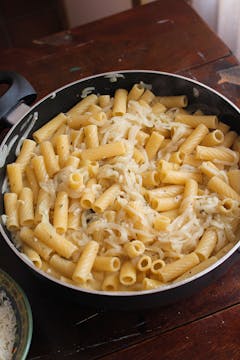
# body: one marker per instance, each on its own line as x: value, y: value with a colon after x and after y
x: 167, y: 36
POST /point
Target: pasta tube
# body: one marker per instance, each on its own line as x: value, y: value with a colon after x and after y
x: 46, y: 233
x: 106, y: 198
x: 104, y: 151
x: 171, y: 271
x: 206, y: 244
x: 85, y: 263
x: 11, y: 210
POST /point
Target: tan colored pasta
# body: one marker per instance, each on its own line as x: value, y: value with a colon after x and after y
x: 144, y: 263
x: 229, y: 138
x: 150, y: 178
x: 210, y: 170
x: 164, y: 166
x: 214, y: 138
x: 177, y: 157
x: 76, y: 121
x: 171, y: 214
x: 46, y: 233
x: 94, y: 109
x: 60, y: 214
x: 88, y: 196
x: 106, y: 263
x: 62, y: 149
x: 226, y: 206
x: 157, y: 265
x: 178, y: 101
x: 76, y: 137
x: 153, y: 144
x: 85, y: 263
x: 180, y: 177
x: 190, y: 192
x: 47, y: 130
x: 106, y: 198
x: 142, y: 137
x: 210, y: 121
x: 50, y: 159
x: 74, y: 213
x: 11, y: 210
x: 127, y: 274
x: 104, y: 100
x: 104, y: 151
x: 147, y: 96
x: 194, y: 139
x: 60, y: 131
x: 14, y: 173
x: 91, y: 136
x: 222, y: 154
x: 72, y: 161
x: 224, y: 251
x: 49, y: 270
x: 149, y: 284
x: 32, y: 255
x: 138, y: 156
x: 175, y: 269
x: 165, y: 191
x: 111, y: 282
x: 82, y: 106
x: 136, y: 92
x: 236, y: 144
x: 63, y: 266
x: 206, y: 244
x: 217, y: 185
x: 161, y: 222
x: 223, y: 127
x: 39, y: 168
x: 134, y: 248
x: 185, y: 131
x: 27, y: 236
x: 165, y: 204
x: 234, y: 179
x: 120, y: 102
x: 157, y: 109
x: 26, y: 153
x: 191, y: 160
x: 25, y: 209
x: 32, y: 181
x: 76, y: 181
x: 198, y: 268
x: 42, y: 208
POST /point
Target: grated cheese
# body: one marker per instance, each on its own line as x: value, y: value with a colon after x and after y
x: 8, y: 326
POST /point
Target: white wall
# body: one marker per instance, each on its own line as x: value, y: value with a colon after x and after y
x: 223, y: 17
x: 84, y: 11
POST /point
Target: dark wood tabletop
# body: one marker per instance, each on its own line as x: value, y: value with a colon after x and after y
x: 167, y: 36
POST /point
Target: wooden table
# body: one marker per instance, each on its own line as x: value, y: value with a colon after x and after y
x: 168, y: 36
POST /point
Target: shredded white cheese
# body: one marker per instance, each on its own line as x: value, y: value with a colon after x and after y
x: 8, y: 326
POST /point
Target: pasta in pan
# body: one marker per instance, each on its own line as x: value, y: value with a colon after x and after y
x: 126, y: 193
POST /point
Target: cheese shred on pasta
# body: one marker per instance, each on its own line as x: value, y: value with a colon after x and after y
x: 122, y: 202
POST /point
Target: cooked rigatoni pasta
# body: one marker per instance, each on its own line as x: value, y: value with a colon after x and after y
x: 47, y: 131
x: 126, y: 192
x: 50, y: 158
x: 11, y: 210
x: 14, y: 173
x: 26, y: 153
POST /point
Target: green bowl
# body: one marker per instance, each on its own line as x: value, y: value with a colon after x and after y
x: 23, y: 315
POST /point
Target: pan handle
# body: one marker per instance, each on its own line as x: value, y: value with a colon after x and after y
x: 19, y: 94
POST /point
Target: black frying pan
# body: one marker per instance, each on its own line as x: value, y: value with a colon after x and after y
x: 13, y: 108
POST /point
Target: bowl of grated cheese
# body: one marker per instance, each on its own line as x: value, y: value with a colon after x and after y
x: 15, y: 320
